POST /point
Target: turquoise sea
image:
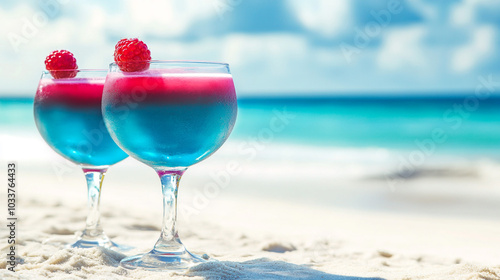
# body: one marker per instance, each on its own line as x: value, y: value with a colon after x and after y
x: 464, y: 125
x: 468, y: 126
x: 366, y: 144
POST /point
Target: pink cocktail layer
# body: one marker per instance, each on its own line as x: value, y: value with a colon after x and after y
x: 76, y: 92
x: 156, y: 87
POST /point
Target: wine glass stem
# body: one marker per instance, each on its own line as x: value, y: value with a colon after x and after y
x: 169, y: 239
x: 93, y: 229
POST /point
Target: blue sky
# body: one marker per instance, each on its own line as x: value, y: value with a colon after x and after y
x: 273, y: 47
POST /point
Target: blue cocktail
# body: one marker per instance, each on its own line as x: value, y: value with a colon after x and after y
x: 68, y: 116
x: 169, y: 117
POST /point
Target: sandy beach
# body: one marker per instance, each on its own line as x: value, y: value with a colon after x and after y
x: 264, y: 223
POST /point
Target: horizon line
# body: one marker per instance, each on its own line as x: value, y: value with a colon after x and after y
x: 320, y: 94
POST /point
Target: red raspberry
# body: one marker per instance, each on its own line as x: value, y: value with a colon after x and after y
x: 61, y: 60
x: 132, y: 55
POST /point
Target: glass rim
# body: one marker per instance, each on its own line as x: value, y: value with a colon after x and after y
x: 187, y: 62
x: 76, y: 70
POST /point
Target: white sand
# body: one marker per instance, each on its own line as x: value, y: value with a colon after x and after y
x: 263, y: 225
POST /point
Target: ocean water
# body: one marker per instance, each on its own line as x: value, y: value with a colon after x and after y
x: 386, y: 122
x: 452, y: 125
x: 365, y: 153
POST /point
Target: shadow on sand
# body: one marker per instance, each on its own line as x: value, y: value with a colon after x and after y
x: 263, y: 269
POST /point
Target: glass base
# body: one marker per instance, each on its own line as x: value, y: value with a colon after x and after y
x: 104, y: 243
x: 162, y: 261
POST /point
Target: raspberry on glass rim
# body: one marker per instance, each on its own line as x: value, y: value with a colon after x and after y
x: 61, y: 64
x: 132, y: 55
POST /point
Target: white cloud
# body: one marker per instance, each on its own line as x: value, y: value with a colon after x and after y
x: 474, y: 51
x: 325, y: 17
x: 426, y: 9
x: 162, y: 18
x: 244, y: 49
x: 281, y: 62
x: 269, y: 58
x: 265, y: 62
x: 402, y: 48
x: 462, y: 13
x: 83, y: 34
x: 17, y: 28
x: 465, y: 12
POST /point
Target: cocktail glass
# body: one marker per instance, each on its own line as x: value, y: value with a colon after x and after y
x: 68, y: 116
x: 169, y: 117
